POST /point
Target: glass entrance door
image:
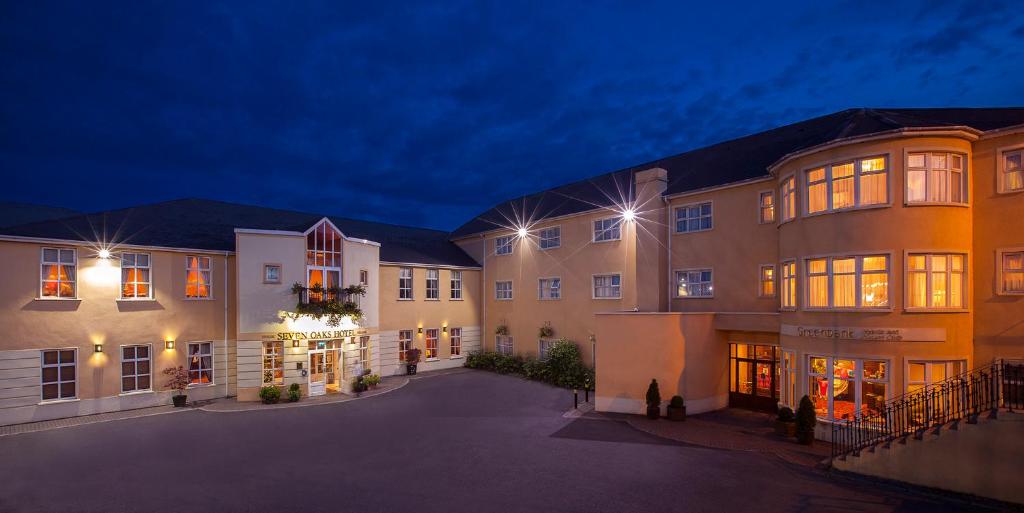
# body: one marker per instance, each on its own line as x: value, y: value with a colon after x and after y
x: 324, y: 367
x: 317, y: 374
x: 754, y: 376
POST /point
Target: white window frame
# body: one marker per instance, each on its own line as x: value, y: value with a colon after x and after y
x: 858, y: 282
x: 965, y: 291
x: 213, y: 363
x: 700, y: 216
x: 404, y: 344
x: 543, y: 346
x: 199, y: 269
x: 136, y: 374
x: 554, y: 288
x: 405, y: 287
x: 1002, y: 154
x: 503, y: 245
x: 498, y: 293
x: 609, y: 233
x: 364, y: 351
x: 700, y: 270
x: 788, y: 199
x: 761, y: 281
x: 549, y: 234
x: 74, y: 282
x: 929, y: 153
x: 504, y: 344
x: 950, y: 370
x: 1001, y: 269
x: 788, y: 278
x: 858, y: 380
x: 612, y: 286
x: 276, y: 356
x: 858, y: 174
x: 364, y: 277
x: 454, y: 343
x: 772, y: 208
x: 428, y: 334
x: 266, y: 276
x: 455, y: 280
x: 433, y: 285
x: 135, y: 265
x: 59, y: 381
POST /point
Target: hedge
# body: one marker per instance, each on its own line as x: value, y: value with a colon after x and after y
x: 562, y: 366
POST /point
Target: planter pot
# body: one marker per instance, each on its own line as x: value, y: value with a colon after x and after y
x: 677, y: 414
x: 653, y: 412
x: 180, y: 401
x: 410, y: 369
x: 785, y: 429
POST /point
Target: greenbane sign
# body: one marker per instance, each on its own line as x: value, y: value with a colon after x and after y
x: 317, y: 335
x: 866, y: 334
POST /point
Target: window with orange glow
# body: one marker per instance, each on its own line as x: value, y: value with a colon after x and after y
x: 404, y: 343
x: 200, y: 363
x: 788, y: 199
x: 852, y: 184
x: 767, y: 207
x: 323, y: 257
x: 848, y: 282
x: 789, y: 284
x: 1012, y: 272
x: 136, y: 280
x: 431, y: 336
x: 273, y: 363
x: 57, y: 274
x: 198, y: 277
x: 936, y: 178
x: 1011, y: 179
x: 841, y: 388
x: 767, y: 287
x: 936, y: 281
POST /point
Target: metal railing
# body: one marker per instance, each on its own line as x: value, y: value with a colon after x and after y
x: 964, y: 396
x: 308, y: 296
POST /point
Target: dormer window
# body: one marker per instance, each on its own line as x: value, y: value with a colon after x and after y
x: 323, y: 258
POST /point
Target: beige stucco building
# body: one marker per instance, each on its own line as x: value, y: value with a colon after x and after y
x: 851, y: 258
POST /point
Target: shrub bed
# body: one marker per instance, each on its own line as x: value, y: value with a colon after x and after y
x: 562, y: 366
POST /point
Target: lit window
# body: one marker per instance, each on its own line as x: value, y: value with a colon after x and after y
x: 405, y: 283
x: 1012, y: 272
x: 788, y: 285
x: 936, y: 281
x: 57, y: 273
x: 200, y: 363
x: 271, y: 273
x: 364, y: 277
x: 503, y: 344
x: 848, y: 282
x: 694, y: 283
x: 608, y: 229
x: 853, y: 184
x: 136, y: 374
x: 936, y: 178
x: 843, y: 387
x: 503, y: 290
x: 767, y: 281
x: 135, y: 276
x: 59, y: 374
x: 456, y: 285
x: 433, y: 284
x: 551, y: 238
x: 788, y: 199
x: 693, y: 218
x: 1011, y: 179
x: 607, y: 286
x: 503, y: 245
x: 455, y: 338
x: 364, y: 352
x: 766, y: 205
x: 788, y: 385
x: 431, y: 335
x: 404, y: 343
x: 323, y: 260
x: 921, y: 374
x: 273, y: 363
x: 549, y: 288
x: 198, y: 276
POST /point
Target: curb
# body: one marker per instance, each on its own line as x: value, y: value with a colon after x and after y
x: 257, y: 406
x: 99, y: 421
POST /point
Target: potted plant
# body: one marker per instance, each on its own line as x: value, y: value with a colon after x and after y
x: 653, y: 400
x: 177, y: 380
x: 805, y: 421
x: 371, y: 380
x: 677, y: 408
x: 270, y: 394
x: 546, y: 331
x: 358, y: 386
x: 785, y: 423
x: 294, y: 392
x: 412, y: 357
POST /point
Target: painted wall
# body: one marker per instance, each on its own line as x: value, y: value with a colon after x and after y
x: 262, y: 306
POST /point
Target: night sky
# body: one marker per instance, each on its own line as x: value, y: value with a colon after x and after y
x: 428, y: 115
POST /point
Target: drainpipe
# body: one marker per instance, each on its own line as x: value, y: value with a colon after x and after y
x: 483, y: 294
x: 668, y: 259
x: 225, y: 346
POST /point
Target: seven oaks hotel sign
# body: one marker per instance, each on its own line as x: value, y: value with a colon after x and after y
x: 867, y: 334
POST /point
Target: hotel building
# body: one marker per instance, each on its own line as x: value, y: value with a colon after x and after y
x: 851, y: 257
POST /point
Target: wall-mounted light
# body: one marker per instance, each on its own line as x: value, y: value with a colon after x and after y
x: 522, y: 233
x: 628, y: 215
x: 103, y: 254
x: 420, y: 330
x: 98, y: 348
x: 295, y: 343
x: 169, y: 345
x: 444, y: 329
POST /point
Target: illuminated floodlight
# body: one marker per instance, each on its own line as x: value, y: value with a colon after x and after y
x: 103, y: 254
x: 628, y: 215
x: 522, y: 233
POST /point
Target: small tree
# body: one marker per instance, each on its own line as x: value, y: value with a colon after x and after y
x: 805, y: 421
x: 412, y: 356
x: 653, y: 394
x: 177, y: 379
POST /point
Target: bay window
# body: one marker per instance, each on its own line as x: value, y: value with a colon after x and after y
x: 936, y: 177
x: 857, y: 183
x: 136, y: 278
x: 1011, y: 272
x: 1011, y: 175
x: 843, y: 387
x: 936, y: 281
x: 848, y: 282
x: 788, y: 284
x: 788, y: 199
x: 57, y: 273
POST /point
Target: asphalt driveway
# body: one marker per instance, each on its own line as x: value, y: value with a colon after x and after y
x: 470, y: 441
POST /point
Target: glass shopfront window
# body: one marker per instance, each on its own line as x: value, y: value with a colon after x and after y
x: 754, y: 376
x: 842, y: 387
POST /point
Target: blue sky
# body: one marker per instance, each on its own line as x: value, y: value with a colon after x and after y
x: 428, y: 114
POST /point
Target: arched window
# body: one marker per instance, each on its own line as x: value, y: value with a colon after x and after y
x: 323, y: 257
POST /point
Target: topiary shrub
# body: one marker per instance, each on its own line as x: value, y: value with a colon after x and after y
x: 294, y: 392
x: 677, y: 401
x: 805, y: 421
x: 270, y: 394
x: 653, y: 400
x: 786, y: 414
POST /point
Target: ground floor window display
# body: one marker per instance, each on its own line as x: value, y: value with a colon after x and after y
x: 754, y: 376
x: 324, y: 367
x: 842, y: 387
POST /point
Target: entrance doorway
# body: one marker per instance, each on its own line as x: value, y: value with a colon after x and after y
x: 324, y: 367
x: 754, y: 373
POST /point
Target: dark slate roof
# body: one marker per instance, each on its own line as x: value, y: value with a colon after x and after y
x: 13, y: 213
x: 210, y: 225
x: 733, y: 161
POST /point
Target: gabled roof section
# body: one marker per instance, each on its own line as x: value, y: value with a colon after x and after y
x: 13, y: 213
x: 744, y: 158
x: 209, y: 225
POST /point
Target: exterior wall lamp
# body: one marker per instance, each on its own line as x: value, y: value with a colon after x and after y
x: 419, y: 330
x: 98, y: 348
x: 295, y: 343
x: 444, y: 329
x: 169, y: 345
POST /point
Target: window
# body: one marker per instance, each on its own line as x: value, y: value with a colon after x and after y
x: 503, y: 344
x: 543, y: 347
x: 431, y: 344
x: 766, y: 206
x: 503, y: 245
x: 767, y: 281
x: 608, y: 229
x: 607, y: 286
x: 404, y: 343
x: 503, y: 290
x: 57, y: 273
x: 58, y: 372
x: 788, y: 396
x: 856, y: 386
x: 788, y: 285
x: 848, y: 282
x: 273, y: 363
x: 1011, y: 176
x: 271, y: 273
x: 551, y: 238
x: 694, y: 283
x: 920, y: 374
x: 549, y: 288
x: 364, y: 277
x: 323, y: 260
x: 456, y: 283
x: 788, y: 199
x: 693, y: 218
x: 936, y: 178
x: 853, y: 184
x: 1011, y: 272
x: 200, y: 363
x: 198, y: 275
x: 364, y: 352
x: 936, y: 281
x: 433, y: 284
x: 405, y: 283
x: 135, y: 276
x: 136, y: 374
x: 455, y: 339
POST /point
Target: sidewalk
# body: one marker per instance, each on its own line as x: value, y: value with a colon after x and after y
x: 46, y: 425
